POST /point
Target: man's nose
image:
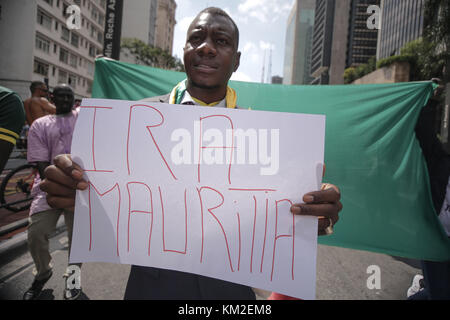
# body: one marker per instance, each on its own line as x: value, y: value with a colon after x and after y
x: 207, y: 47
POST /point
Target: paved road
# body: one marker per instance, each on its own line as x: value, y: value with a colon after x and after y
x: 341, y: 274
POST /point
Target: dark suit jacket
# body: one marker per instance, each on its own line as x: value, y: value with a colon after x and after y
x: 154, y: 283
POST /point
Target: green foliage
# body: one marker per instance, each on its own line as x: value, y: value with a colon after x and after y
x: 437, y: 31
x: 349, y: 75
x: 353, y: 73
x: 386, y: 62
x: 423, y: 57
x: 151, y: 56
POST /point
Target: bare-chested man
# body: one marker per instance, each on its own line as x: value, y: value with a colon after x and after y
x: 37, y: 105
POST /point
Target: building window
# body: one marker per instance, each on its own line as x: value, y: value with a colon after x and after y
x: 62, y: 76
x: 73, y: 60
x: 53, y: 71
x: 92, y: 50
x: 89, y: 86
x: 64, y: 55
x: 56, y: 25
x: 65, y: 34
x: 74, y: 40
x: 44, y: 20
x: 41, y: 68
x: 101, y: 19
x: 50, y: 2
x: 42, y: 44
x: 72, y: 80
x: 100, y: 37
x: 55, y: 48
x: 90, y: 68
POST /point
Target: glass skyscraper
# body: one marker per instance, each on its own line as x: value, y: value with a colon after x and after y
x: 401, y: 22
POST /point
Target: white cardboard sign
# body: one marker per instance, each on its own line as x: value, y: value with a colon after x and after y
x: 199, y: 189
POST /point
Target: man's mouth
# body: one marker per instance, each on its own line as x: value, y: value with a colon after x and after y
x: 207, y: 68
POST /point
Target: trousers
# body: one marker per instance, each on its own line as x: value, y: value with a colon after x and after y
x: 41, y: 225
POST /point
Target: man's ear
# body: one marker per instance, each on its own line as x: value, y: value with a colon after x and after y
x: 238, y: 61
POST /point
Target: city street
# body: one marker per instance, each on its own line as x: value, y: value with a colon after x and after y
x: 326, y: 111
x: 341, y: 274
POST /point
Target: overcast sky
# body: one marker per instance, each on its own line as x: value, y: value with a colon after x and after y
x: 262, y: 24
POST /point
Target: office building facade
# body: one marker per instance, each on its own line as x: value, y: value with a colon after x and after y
x: 401, y: 22
x: 299, y: 34
x: 151, y: 21
x: 38, y: 45
x: 322, y: 41
x: 341, y: 39
x: 362, y: 42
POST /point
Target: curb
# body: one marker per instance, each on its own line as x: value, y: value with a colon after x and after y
x: 13, y: 226
x: 21, y: 239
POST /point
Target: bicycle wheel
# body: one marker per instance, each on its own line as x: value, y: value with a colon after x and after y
x: 15, y: 189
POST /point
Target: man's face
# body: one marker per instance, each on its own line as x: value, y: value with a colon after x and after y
x: 63, y: 99
x: 42, y: 91
x: 210, y: 53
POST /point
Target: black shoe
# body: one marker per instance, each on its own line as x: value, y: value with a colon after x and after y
x: 35, y: 290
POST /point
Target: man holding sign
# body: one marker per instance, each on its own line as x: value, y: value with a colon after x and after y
x: 210, y: 57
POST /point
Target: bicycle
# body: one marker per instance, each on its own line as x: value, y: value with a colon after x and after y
x: 15, y: 188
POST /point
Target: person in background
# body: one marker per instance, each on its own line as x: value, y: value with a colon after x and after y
x: 49, y: 136
x: 38, y: 105
x: 434, y: 284
x: 12, y: 119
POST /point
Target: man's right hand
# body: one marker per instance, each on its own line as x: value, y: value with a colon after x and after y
x: 62, y: 179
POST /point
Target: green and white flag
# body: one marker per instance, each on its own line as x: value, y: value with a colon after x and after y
x: 371, y: 152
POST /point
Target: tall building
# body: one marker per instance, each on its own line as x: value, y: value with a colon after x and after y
x: 322, y: 40
x: 299, y: 33
x: 151, y: 21
x: 138, y: 20
x: 165, y: 24
x: 38, y: 45
x: 341, y: 39
x: 401, y: 22
x: 362, y: 43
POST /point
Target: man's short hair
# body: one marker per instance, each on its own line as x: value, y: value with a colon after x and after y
x: 35, y: 84
x: 219, y: 12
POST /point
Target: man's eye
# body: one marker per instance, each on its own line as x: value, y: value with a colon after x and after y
x: 222, y: 41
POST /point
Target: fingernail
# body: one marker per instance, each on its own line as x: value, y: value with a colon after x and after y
x: 308, y: 198
x: 296, y: 210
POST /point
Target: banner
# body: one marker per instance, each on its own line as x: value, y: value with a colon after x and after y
x: 182, y: 188
x: 371, y: 152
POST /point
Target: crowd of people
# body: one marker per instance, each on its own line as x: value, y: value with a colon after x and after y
x: 210, y: 57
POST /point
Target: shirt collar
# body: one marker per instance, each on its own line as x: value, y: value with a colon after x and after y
x: 187, y: 99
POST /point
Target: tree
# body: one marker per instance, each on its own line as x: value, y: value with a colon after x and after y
x: 151, y: 56
x: 437, y: 31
